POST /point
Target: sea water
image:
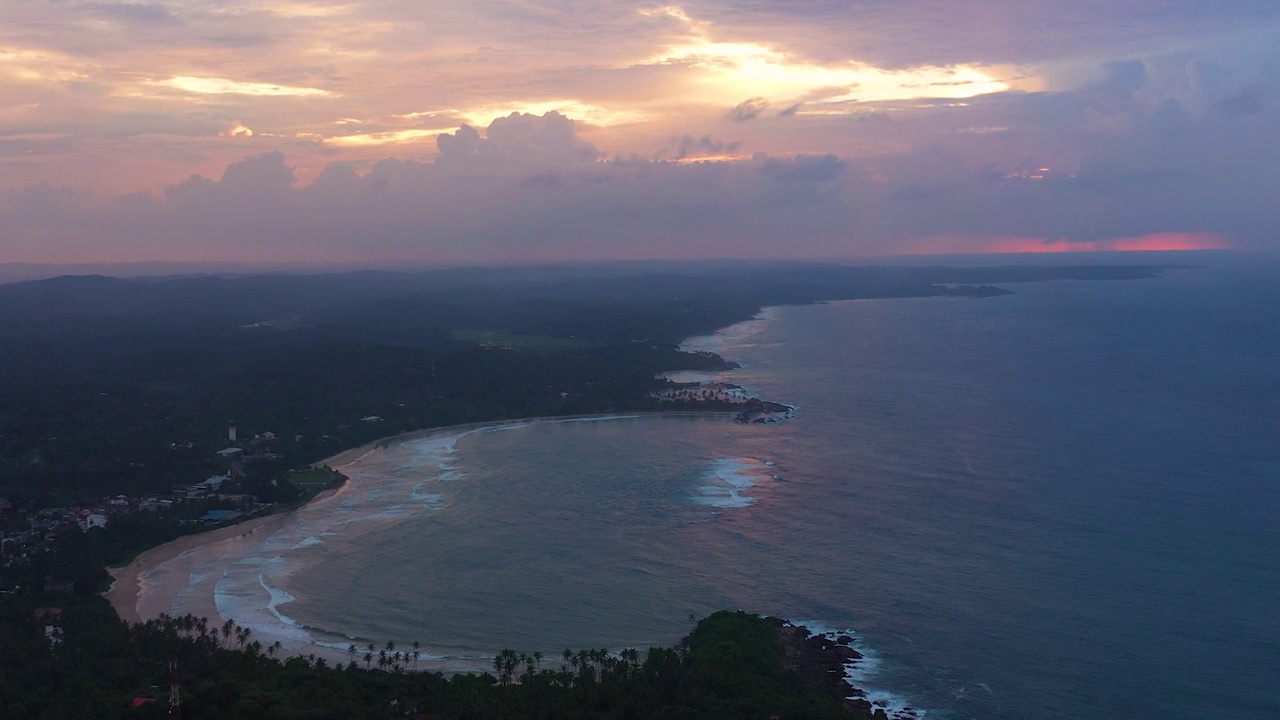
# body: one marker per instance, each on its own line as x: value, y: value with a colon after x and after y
x: 1061, y: 503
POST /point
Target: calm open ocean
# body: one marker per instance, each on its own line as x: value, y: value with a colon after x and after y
x: 1063, y: 503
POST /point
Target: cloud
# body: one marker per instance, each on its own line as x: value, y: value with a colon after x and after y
x: 529, y: 188
x: 132, y: 13
x: 803, y: 168
x: 687, y: 146
x: 482, y: 130
x: 224, y: 86
x: 516, y: 141
x: 1170, y: 117
x: 748, y: 109
x: 1250, y: 100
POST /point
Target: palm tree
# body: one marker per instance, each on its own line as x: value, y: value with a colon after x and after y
x: 632, y: 658
x: 505, y: 664
x: 417, y: 652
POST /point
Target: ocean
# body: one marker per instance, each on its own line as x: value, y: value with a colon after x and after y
x: 1061, y: 503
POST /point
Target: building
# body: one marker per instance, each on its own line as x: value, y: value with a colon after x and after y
x: 93, y: 520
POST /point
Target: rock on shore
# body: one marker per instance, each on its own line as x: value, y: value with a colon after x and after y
x: 823, y: 662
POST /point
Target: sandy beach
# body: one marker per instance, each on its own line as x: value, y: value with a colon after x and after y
x: 133, y: 599
x: 137, y: 597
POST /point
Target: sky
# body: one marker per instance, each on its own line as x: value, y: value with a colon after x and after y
x: 513, y: 131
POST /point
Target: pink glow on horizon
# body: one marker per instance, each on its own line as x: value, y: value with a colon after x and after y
x: 1154, y: 242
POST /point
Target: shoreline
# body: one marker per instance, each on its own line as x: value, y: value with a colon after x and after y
x: 128, y: 587
x: 136, y: 600
x: 351, y: 455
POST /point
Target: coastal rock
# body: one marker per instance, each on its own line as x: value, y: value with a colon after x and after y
x: 755, y: 410
x: 820, y: 663
x: 845, y: 653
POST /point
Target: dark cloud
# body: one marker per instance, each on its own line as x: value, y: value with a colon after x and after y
x: 541, y: 180
x: 259, y: 174
x: 1249, y: 101
x: 459, y: 146
x: 748, y: 109
x: 687, y: 146
x: 1117, y: 89
x: 1170, y: 117
x: 803, y: 168
x: 43, y: 199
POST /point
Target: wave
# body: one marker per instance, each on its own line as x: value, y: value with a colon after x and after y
x: 735, y: 335
x: 727, y: 480
x: 391, y: 484
x: 861, y: 673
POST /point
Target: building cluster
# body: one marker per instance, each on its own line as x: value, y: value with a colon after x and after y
x: 41, y: 529
x: 25, y: 533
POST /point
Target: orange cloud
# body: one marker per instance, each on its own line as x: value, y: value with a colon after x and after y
x: 1154, y: 242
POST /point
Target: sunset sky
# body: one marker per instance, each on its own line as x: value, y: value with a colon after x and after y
x: 528, y: 131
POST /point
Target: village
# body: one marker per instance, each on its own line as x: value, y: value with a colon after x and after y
x: 28, y: 533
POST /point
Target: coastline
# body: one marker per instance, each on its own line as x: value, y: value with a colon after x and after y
x: 351, y: 455
x: 139, y: 592
x: 129, y: 590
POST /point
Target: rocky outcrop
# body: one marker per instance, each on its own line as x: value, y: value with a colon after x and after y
x: 755, y: 410
x: 822, y: 662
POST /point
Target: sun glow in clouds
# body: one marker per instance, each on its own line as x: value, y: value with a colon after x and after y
x: 747, y: 69
x: 580, y: 112
x: 223, y: 86
x: 389, y: 137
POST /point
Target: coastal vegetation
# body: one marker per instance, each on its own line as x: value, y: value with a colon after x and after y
x: 732, y: 665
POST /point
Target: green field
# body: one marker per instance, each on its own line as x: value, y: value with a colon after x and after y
x: 508, y: 341
x: 313, y: 479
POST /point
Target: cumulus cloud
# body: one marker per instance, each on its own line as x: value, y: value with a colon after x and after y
x: 516, y: 141
x: 529, y: 189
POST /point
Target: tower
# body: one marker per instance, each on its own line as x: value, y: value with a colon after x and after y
x: 175, y: 700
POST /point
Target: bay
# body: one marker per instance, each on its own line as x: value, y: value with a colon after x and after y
x: 1058, y: 503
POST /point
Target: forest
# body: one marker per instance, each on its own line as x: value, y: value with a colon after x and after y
x: 732, y: 665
